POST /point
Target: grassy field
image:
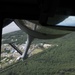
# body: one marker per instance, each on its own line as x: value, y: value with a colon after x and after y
x: 58, y: 60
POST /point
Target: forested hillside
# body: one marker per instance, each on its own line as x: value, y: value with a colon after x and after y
x: 19, y: 35
x: 58, y: 60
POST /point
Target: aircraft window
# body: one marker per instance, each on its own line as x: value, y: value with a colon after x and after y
x: 55, y: 56
x: 48, y: 45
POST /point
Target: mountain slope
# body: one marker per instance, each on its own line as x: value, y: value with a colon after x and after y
x: 58, y: 60
x: 19, y: 35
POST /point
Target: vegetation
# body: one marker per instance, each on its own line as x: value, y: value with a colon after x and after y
x: 19, y: 35
x: 58, y: 60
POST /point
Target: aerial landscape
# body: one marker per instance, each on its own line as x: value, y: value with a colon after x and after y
x: 46, y: 57
x: 37, y: 37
